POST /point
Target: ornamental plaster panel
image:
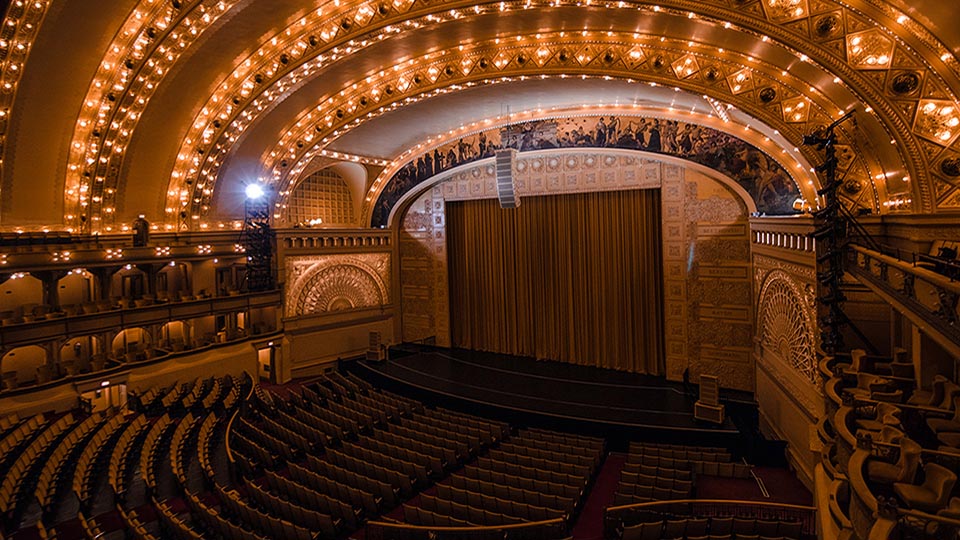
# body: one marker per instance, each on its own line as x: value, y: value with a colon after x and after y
x: 326, y: 283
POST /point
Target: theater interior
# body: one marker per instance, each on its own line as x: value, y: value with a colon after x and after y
x: 450, y: 269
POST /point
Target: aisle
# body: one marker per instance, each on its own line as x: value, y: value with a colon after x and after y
x: 589, y: 526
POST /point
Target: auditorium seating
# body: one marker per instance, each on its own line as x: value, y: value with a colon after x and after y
x: 893, y: 441
x: 224, y: 457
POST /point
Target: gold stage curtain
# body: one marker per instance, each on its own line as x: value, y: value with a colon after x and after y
x: 575, y: 278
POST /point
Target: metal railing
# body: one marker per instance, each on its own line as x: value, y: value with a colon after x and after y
x: 928, y: 295
x: 723, y: 508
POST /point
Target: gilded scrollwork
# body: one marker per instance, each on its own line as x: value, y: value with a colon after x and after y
x: 786, y: 323
x: 336, y: 282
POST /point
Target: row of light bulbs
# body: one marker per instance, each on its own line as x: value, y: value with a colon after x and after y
x: 151, y: 40
x: 150, y: 14
x: 207, y: 174
x: 283, y: 177
x: 19, y: 29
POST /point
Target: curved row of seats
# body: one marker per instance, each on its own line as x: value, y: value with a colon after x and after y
x: 895, y: 444
x: 100, y: 475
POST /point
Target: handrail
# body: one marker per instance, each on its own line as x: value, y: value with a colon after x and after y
x: 479, y: 528
x: 653, y: 504
x: 226, y: 435
x: 927, y: 298
x: 927, y: 275
x: 379, y: 530
x: 806, y: 515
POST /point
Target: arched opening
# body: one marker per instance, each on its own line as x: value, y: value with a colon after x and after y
x: 132, y: 344
x: 25, y: 365
x: 176, y: 335
x: 77, y: 354
x: 20, y: 299
x: 321, y: 199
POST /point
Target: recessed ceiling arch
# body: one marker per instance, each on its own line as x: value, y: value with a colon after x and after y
x: 899, y: 59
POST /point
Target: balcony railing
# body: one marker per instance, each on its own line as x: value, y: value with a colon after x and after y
x: 926, y: 297
x: 333, y: 239
x: 791, y: 234
x: 40, y: 331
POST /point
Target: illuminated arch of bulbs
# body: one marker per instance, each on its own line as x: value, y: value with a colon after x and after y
x: 19, y: 28
x: 596, y: 55
x: 153, y: 38
x: 213, y: 164
x: 360, y: 17
x: 202, y: 168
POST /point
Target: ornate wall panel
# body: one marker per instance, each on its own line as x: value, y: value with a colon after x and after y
x: 707, y: 298
x: 330, y: 283
x: 787, y: 329
x: 546, y: 173
x: 423, y: 270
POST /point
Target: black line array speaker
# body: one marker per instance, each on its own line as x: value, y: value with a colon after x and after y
x: 506, y: 191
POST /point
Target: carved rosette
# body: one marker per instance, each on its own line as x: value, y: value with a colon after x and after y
x: 336, y: 283
x: 786, y: 325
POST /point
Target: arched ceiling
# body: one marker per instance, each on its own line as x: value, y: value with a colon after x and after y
x: 169, y: 107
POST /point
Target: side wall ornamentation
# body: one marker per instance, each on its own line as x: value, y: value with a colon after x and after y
x: 328, y: 283
x: 790, y: 400
x: 707, y: 298
x: 423, y: 270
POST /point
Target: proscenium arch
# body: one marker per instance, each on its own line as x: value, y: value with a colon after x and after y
x: 402, y: 205
x: 798, y: 171
x: 894, y: 133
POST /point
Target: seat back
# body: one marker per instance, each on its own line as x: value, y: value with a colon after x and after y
x: 939, y: 480
x: 909, y: 460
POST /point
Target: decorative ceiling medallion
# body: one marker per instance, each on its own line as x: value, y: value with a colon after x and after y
x: 767, y: 94
x: 741, y: 81
x: 785, y: 10
x: 829, y: 25
x: 685, y: 66
x: 905, y: 83
x: 869, y: 50
x: 796, y: 110
x: 951, y: 167
x: 937, y: 120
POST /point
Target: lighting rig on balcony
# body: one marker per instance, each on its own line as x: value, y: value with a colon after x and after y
x: 833, y: 224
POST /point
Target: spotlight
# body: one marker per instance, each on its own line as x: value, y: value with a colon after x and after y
x: 254, y: 191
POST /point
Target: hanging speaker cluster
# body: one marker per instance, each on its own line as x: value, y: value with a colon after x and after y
x: 506, y: 190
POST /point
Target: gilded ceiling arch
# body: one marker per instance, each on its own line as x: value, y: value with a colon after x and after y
x: 908, y: 77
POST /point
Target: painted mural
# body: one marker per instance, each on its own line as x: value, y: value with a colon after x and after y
x: 760, y: 175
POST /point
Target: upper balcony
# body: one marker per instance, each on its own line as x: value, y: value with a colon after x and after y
x: 915, y: 288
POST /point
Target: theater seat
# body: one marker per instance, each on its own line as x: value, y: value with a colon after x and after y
x: 929, y: 397
x: 952, y: 511
x: 904, y: 470
x: 933, y: 494
x: 938, y: 425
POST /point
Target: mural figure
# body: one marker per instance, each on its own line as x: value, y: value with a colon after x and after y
x: 760, y: 175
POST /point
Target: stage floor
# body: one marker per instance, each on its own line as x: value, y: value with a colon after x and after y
x: 525, y: 390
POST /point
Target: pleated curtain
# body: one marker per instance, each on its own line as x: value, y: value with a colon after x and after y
x: 575, y: 278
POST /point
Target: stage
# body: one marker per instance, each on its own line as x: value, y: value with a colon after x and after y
x: 617, y: 405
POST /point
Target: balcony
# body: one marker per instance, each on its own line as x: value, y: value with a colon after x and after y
x: 927, y: 298
x: 113, y: 318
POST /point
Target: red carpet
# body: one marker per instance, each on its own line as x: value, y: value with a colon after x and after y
x: 783, y: 486
x: 589, y: 525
